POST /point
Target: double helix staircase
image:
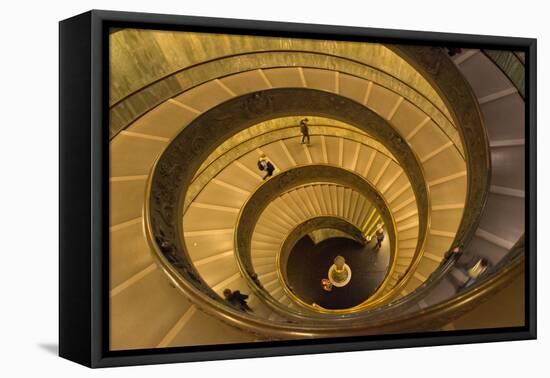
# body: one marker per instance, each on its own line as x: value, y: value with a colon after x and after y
x: 149, y: 310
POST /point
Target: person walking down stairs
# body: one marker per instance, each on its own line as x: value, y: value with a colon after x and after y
x: 304, y: 129
x: 265, y: 165
x: 379, y: 237
x: 478, y: 269
x: 237, y: 300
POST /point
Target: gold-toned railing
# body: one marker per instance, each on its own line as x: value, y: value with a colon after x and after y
x: 431, y: 318
x: 294, y: 178
x: 302, y: 229
x: 263, y: 136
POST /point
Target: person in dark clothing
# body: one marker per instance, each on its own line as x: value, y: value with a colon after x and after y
x: 452, y: 51
x: 326, y: 284
x: 379, y: 237
x: 265, y: 165
x: 237, y: 300
x: 304, y: 129
x: 255, y: 279
x: 456, y: 251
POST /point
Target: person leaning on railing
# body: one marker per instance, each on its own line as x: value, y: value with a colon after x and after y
x: 255, y: 279
x: 456, y: 251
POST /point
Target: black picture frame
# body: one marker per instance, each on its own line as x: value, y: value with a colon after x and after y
x: 84, y: 188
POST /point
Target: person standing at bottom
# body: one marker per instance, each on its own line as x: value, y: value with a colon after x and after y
x: 265, y: 166
x: 304, y: 129
x: 379, y: 236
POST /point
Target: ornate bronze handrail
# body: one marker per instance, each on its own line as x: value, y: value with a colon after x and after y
x: 290, y: 131
x: 134, y: 105
x: 181, y: 159
x: 298, y: 232
x: 511, y: 65
x: 429, y: 319
x: 312, y: 224
x: 166, y: 168
x: 402, y: 305
x: 433, y: 71
x: 437, y: 67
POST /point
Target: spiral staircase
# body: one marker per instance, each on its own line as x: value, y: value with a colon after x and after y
x: 433, y: 152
